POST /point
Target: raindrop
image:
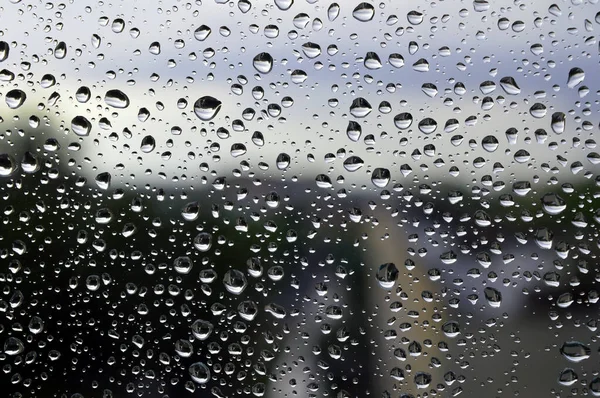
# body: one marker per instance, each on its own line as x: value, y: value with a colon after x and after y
x: 364, y: 12
x: 387, y: 274
x: 558, y: 122
x: 116, y: 99
x: 60, y: 51
x: 199, y: 372
x: 81, y: 126
x: 15, y: 98
x: 4, y: 51
x: 202, y: 32
x: 360, y: 108
x: 7, y: 165
x: 207, y: 107
x: 284, y: 5
x: 148, y: 144
x: 333, y: 11
x: 263, y: 62
x: 575, y: 351
x: 234, y: 281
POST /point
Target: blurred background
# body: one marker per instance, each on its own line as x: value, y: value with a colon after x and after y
x: 298, y: 198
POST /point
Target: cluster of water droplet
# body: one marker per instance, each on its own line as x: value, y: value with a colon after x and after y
x: 382, y: 177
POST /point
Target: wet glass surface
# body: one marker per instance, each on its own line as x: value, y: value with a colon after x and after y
x: 299, y: 198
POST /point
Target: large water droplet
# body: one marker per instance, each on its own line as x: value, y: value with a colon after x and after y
x: 116, y: 99
x: 13, y: 346
x: 509, y: 85
x: 4, y: 51
x: 263, y: 62
x: 207, y: 107
x: 553, y: 203
x: 15, y: 98
x: 364, y: 12
x: 7, y: 165
x: 575, y: 351
x: 493, y: 297
x: 81, y: 126
x: 183, y: 265
x: 234, y: 281
x: 284, y: 5
x: 60, y: 51
x: 360, y: 108
x: 199, y: 372
x: 387, y: 274
x: 558, y: 122
x: 333, y: 11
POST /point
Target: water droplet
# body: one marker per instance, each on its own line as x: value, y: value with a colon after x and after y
x: 493, y: 297
x: 284, y: 5
x: 234, y: 281
x: 422, y: 379
x: 422, y: 65
x: 199, y: 372
x: 396, y: 60
x: 387, y: 274
x: 203, y: 241
x: 364, y: 12
x: 4, y: 51
x: 451, y: 329
x: 60, y: 51
x: 148, y: 144
x: 372, y: 61
x: 81, y: 126
x: 116, y: 99
x: 380, y: 177
x: 154, y: 48
x: 263, y: 62
x: 202, y: 329
x: 353, y: 163
x: 414, y: 17
x: 13, y: 346
x: 558, y: 122
x: 360, y: 108
x: 207, y: 107
x: 333, y: 11
x: 15, y: 98
x: 29, y: 162
x: 103, y: 180
x: 7, y: 165
x: 575, y: 351
x: 311, y: 50
x: 568, y: 377
x: 183, y: 265
x: 509, y: 85
x: 553, y: 204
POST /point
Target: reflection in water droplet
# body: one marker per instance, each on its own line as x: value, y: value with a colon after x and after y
x: 4, y: 51
x: 7, y: 165
x: 60, y: 51
x: 235, y: 281
x: 263, y: 62
x: 81, y: 126
x: 387, y: 275
x: 148, y: 144
x: 360, y: 108
x: 575, y: 351
x: 116, y: 99
x: 15, y: 98
x: 207, y: 107
x: 202, y: 32
x: 284, y: 5
x: 364, y: 12
x: 199, y: 372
